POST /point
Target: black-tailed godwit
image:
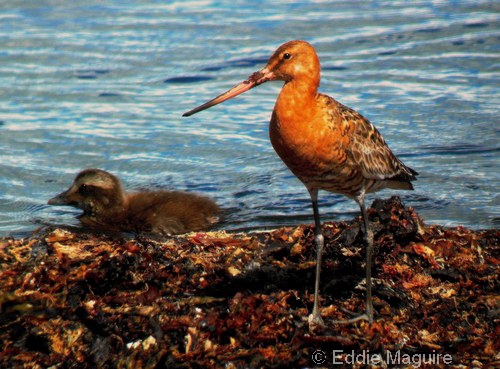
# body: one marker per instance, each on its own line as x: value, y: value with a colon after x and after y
x: 327, y: 145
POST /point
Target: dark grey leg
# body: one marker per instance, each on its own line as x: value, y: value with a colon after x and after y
x: 368, y: 233
x: 369, y: 256
x: 315, y: 317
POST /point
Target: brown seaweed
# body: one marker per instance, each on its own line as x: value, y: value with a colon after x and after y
x: 238, y: 300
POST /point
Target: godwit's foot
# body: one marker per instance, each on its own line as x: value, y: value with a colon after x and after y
x: 354, y: 320
x: 315, y: 321
x: 368, y: 316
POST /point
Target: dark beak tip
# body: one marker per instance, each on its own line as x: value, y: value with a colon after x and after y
x: 197, y: 109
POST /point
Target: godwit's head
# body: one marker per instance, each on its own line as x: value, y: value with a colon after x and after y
x: 293, y: 61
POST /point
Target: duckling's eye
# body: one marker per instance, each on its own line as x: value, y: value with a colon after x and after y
x: 84, y: 189
x: 287, y: 56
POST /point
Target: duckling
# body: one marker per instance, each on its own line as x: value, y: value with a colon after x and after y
x: 107, y: 206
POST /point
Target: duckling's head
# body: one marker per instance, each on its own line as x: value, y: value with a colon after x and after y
x: 95, y: 191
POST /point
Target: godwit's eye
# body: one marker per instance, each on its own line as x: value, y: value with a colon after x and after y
x: 287, y: 56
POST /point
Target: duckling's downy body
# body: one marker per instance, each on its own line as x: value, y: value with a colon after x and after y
x: 106, y: 206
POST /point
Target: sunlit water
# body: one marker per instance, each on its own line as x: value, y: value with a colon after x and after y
x: 102, y: 84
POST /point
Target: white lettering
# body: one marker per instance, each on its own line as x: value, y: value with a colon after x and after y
x: 416, y: 360
x: 364, y: 357
x: 406, y: 359
x: 393, y: 359
x: 376, y: 359
x: 447, y: 359
x: 335, y: 357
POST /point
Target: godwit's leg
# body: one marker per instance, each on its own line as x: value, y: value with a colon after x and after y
x: 369, y: 256
x: 315, y: 317
x: 368, y: 233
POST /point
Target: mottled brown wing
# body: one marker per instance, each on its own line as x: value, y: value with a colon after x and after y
x: 369, y: 151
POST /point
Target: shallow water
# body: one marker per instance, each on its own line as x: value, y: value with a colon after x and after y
x: 102, y: 84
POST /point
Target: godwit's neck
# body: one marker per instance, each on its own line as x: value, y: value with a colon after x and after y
x: 296, y: 98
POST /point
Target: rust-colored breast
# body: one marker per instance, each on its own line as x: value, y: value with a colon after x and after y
x: 332, y: 147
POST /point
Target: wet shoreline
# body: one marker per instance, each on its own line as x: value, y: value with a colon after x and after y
x: 221, y: 299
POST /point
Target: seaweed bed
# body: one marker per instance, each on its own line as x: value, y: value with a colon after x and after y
x: 223, y: 300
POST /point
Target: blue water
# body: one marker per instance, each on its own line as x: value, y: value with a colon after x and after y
x: 103, y: 84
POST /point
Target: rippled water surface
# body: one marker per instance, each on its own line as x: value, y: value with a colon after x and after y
x: 103, y: 84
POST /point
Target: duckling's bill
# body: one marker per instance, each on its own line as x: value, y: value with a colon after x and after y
x: 62, y: 199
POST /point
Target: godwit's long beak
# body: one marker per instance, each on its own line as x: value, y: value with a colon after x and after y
x: 255, y: 79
